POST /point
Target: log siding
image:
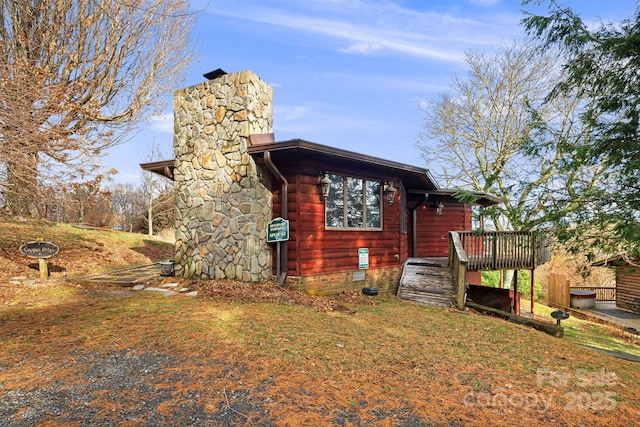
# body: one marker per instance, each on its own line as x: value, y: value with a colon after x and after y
x: 627, y: 286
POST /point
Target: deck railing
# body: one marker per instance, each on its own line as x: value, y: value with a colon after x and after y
x: 505, y: 250
x: 602, y: 293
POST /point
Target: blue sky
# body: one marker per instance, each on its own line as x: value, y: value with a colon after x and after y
x: 347, y: 73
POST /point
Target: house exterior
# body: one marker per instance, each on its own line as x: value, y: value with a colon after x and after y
x: 627, y: 281
x: 353, y: 219
x: 628, y: 287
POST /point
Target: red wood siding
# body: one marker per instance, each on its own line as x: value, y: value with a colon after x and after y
x: 474, y: 277
x: 312, y: 249
x: 627, y: 286
x: 432, y: 231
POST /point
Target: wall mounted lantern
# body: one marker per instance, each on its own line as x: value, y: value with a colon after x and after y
x: 325, y: 184
x: 438, y: 206
x: 389, y: 191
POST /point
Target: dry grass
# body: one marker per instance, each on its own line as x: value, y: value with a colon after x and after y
x: 259, y: 355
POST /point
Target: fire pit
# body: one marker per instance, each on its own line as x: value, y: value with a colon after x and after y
x: 582, y: 298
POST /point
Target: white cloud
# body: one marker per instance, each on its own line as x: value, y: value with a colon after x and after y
x: 362, y: 48
x: 162, y: 123
x: 485, y: 2
x: 290, y: 112
x: 363, y: 27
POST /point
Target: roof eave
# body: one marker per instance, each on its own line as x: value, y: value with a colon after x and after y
x: 340, y: 153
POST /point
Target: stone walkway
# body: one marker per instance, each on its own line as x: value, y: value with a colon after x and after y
x: 137, y: 277
x: 124, y: 276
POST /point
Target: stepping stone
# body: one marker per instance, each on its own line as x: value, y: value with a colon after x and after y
x: 19, y: 278
x: 138, y: 287
x: 192, y: 294
x: 32, y: 284
x: 166, y: 292
x: 170, y: 285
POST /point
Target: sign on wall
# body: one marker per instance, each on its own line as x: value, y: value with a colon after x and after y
x: 363, y: 258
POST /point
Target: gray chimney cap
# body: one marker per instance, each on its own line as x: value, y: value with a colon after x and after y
x: 214, y: 74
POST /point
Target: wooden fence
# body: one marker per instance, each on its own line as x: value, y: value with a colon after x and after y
x: 558, y: 292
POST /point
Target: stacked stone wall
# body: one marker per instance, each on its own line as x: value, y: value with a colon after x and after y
x: 223, y: 198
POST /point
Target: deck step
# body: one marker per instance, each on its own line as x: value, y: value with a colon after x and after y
x: 427, y: 282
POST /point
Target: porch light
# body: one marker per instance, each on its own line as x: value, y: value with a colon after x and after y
x: 438, y: 206
x: 325, y: 184
x: 389, y: 191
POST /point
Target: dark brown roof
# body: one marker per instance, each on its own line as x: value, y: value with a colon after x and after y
x: 469, y: 196
x: 285, y: 151
x: 163, y: 167
x: 415, y: 179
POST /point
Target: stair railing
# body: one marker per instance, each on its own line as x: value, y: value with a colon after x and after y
x: 458, y: 263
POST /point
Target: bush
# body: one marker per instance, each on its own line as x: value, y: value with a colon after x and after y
x: 492, y: 279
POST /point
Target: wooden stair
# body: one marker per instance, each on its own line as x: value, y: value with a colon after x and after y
x: 427, y: 281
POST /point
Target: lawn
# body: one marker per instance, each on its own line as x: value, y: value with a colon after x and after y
x: 243, y: 354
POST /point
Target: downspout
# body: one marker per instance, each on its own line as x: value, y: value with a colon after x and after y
x: 284, y: 203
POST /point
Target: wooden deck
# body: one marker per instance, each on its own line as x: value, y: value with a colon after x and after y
x: 505, y: 250
x: 441, y: 282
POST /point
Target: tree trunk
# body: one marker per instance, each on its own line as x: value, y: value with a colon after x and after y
x: 150, y: 215
x: 508, y: 278
x: 22, y: 185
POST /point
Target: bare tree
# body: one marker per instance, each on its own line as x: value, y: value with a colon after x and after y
x: 75, y: 77
x: 495, y: 133
x: 157, y: 192
x: 125, y: 200
x: 160, y: 210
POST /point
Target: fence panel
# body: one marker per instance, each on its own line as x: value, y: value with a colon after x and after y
x: 559, y: 290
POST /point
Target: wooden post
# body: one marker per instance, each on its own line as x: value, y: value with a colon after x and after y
x: 516, y: 306
x: 278, y: 263
x: 462, y: 272
x: 533, y: 294
x: 44, y: 268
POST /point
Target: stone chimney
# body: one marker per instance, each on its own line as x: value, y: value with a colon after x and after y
x: 223, y: 201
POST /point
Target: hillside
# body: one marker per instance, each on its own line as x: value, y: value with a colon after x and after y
x: 257, y: 354
x: 83, y: 249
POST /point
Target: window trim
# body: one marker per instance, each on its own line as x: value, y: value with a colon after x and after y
x: 345, y: 204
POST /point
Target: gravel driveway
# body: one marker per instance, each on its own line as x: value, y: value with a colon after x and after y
x: 138, y: 389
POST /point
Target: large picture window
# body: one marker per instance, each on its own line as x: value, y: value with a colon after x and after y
x: 353, y: 203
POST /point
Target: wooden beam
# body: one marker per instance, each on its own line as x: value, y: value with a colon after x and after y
x: 533, y: 294
x: 547, y: 328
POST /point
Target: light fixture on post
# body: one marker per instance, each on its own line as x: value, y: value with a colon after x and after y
x: 389, y: 191
x: 438, y: 206
x: 325, y: 184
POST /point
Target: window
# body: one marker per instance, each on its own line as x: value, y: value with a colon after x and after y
x: 353, y: 203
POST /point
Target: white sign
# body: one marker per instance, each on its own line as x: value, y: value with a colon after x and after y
x: 363, y: 258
